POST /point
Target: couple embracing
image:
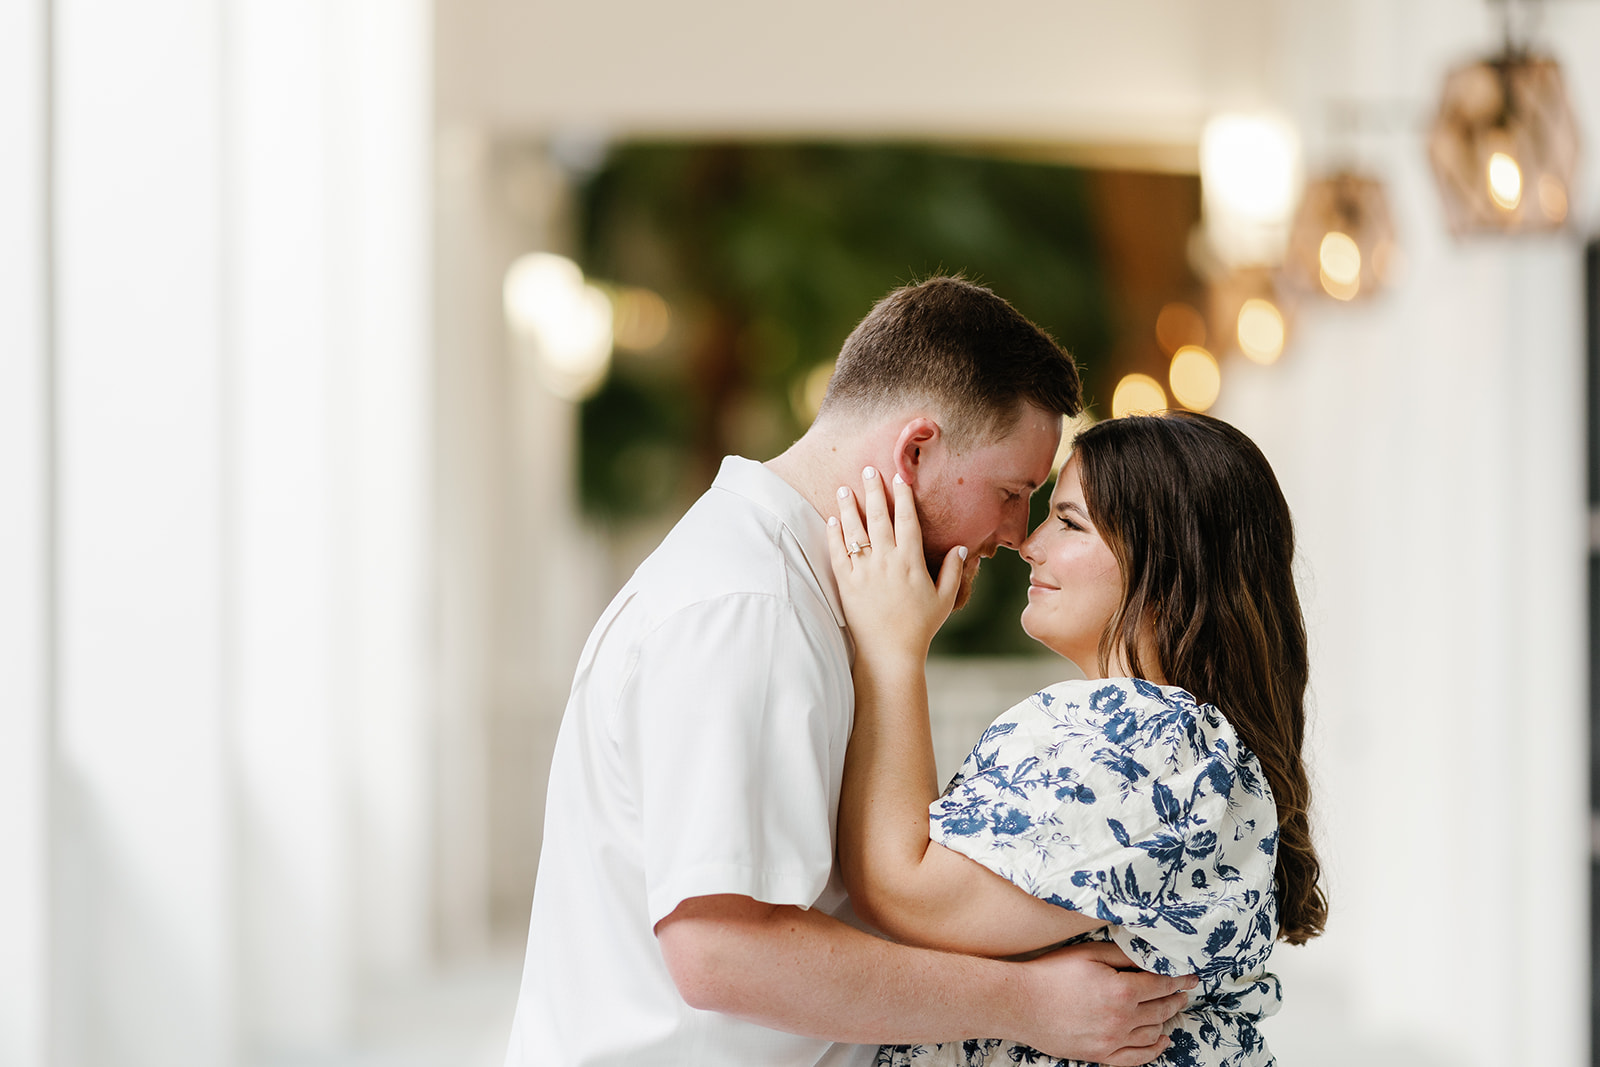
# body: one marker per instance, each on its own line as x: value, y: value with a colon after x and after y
x: 748, y: 859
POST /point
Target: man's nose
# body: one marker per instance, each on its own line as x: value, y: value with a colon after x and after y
x: 1014, y: 530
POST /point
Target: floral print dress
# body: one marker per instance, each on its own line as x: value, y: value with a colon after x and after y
x: 1131, y: 802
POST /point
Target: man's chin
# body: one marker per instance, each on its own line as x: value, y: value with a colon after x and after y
x: 964, y: 590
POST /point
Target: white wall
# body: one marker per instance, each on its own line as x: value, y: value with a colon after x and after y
x: 1431, y: 443
x: 25, y: 463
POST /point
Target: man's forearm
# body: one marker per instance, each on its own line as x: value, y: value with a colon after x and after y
x: 804, y: 972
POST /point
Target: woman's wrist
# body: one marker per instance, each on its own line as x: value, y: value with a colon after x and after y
x: 890, y: 661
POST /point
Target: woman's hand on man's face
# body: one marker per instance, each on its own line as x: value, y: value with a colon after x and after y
x: 890, y: 602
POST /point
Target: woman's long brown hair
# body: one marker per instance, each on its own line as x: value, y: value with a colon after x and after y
x: 1193, y: 514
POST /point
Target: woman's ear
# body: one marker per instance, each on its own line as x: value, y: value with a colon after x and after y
x: 913, y: 447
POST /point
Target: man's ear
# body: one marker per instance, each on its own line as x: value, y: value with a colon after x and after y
x: 912, y: 448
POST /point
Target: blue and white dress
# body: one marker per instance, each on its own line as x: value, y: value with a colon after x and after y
x: 1131, y: 802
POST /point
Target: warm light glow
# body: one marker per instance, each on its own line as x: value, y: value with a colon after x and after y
x: 808, y: 398
x: 1505, y: 181
x: 1249, y: 181
x: 1552, y: 198
x: 1247, y: 165
x: 1340, y: 259
x: 1261, y: 330
x: 1070, y: 429
x: 1137, y: 393
x: 1179, y: 324
x: 548, y: 304
x: 1195, y: 378
x: 639, y: 319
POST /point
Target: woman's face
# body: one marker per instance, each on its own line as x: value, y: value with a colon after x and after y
x: 1076, y: 584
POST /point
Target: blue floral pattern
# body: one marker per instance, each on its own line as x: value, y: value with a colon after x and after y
x: 1131, y: 802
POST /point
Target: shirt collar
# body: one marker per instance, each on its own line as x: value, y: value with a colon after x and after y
x: 757, y: 483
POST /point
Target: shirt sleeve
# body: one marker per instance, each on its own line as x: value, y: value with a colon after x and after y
x: 1116, y: 800
x: 734, y: 719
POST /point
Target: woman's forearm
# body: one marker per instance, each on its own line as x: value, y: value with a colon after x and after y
x: 889, y: 780
x: 899, y: 880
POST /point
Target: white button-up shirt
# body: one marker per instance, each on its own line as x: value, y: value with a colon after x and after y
x: 700, y: 753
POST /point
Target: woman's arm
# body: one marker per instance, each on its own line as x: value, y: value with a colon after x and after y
x: 899, y: 880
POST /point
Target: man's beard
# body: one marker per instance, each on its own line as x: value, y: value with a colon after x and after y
x: 964, y: 590
x: 930, y: 515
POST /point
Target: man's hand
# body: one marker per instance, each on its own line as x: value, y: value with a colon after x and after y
x: 1088, y: 1002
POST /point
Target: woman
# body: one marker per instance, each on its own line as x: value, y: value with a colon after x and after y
x: 1161, y: 802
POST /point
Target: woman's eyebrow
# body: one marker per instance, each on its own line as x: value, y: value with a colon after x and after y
x: 1068, y: 505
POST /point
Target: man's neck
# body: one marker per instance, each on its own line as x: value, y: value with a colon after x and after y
x: 820, y: 462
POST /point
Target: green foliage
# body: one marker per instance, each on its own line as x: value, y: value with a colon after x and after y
x: 769, y: 254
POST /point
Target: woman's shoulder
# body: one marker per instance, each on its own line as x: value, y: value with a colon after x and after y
x: 1101, y: 701
x: 1130, y: 716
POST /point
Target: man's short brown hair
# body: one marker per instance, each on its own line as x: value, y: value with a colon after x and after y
x: 959, y: 347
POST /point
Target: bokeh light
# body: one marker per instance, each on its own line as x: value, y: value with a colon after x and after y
x: 1195, y: 378
x: 640, y: 319
x: 567, y: 320
x: 1340, y: 259
x: 1505, y: 181
x: 1136, y: 394
x: 807, y: 398
x: 1261, y: 330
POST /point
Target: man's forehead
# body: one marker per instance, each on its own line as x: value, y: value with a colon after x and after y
x: 1025, y: 457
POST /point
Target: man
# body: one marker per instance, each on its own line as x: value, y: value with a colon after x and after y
x: 687, y: 909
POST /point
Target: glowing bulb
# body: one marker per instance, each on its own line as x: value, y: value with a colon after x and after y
x: 1340, y: 259
x: 1195, y: 378
x: 1137, y: 393
x: 1261, y: 330
x: 1505, y: 181
x: 1248, y: 164
x: 568, y: 321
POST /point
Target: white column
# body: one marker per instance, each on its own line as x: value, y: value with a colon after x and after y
x: 295, y: 904
x: 382, y: 120
x: 25, y: 721
x: 143, y: 923
x: 330, y: 337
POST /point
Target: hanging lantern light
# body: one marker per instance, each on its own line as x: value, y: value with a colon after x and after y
x: 1250, y: 315
x: 1342, y: 241
x: 1504, y: 146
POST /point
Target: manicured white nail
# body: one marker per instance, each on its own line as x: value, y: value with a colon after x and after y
x: 899, y: 480
x: 962, y: 551
x: 869, y: 473
x: 844, y: 493
x: 833, y: 520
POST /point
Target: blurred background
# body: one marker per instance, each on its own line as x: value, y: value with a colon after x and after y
x: 352, y: 354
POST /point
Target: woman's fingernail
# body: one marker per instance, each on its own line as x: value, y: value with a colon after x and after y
x: 962, y: 551
x: 899, y: 480
x: 844, y: 493
x: 869, y: 473
x: 833, y: 520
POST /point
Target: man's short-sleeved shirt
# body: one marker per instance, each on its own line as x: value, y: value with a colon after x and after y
x: 700, y: 753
